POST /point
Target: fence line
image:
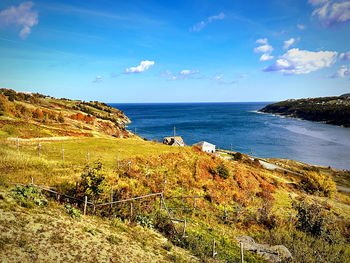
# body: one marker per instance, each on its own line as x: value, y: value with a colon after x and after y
x: 129, y: 199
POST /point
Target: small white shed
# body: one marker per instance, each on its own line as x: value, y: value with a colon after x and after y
x: 206, y: 146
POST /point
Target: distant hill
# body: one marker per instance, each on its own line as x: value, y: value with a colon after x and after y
x: 345, y: 95
x: 35, y: 115
x: 331, y: 110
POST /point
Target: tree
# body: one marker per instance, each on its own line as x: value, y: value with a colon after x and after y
x: 93, y: 182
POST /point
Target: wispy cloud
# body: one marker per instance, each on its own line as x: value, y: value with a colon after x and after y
x: 102, y: 14
x: 301, y: 27
x: 297, y: 61
x: 345, y: 56
x: 265, y: 48
x: 331, y: 12
x: 166, y: 73
x: 184, y: 74
x: 288, y: 43
x: 98, y: 79
x: 199, y: 26
x: 219, y: 79
x: 143, y: 66
x: 22, y: 16
x: 343, y: 72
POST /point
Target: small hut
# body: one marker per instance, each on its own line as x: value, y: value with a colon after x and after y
x: 174, y: 141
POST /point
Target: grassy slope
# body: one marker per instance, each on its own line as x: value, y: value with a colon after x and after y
x: 50, y: 235
x: 195, y: 170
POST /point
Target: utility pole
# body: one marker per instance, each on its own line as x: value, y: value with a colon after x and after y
x: 174, y: 131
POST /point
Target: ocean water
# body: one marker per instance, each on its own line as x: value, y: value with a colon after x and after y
x: 240, y: 126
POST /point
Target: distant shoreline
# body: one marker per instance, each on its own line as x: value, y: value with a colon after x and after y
x: 328, y: 110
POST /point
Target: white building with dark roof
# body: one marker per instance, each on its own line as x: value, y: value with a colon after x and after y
x: 206, y: 146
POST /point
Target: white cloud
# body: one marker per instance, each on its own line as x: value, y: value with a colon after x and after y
x: 265, y: 57
x: 144, y: 65
x: 301, y: 27
x: 331, y: 12
x: 296, y: 61
x: 288, y: 43
x: 265, y: 48
x: 262, y: 41
x: 183, y: 74
x: 98, y: 79
x: 218, y: 77
x: 21, y: 16
x: 343, y: 72
x: 199, y: 26
x: 345, y: 56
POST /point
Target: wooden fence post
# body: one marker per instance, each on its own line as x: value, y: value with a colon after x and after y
x: 160, y: 204
x: 32, y: 180
x: 184, y: 230
x: 165, y: 181
x: 129, y: 165
x: 131, y: 209
x: 62, y: 153
x: 291, y: 217
x: 194, y: 203
x: 85, y: 204
x: 182, y: 194
x: 225, y: 216
x: 147, y: 175
x: 17, y: 144
x: 111, y: 195
x: 88, y: 156
x: 39, y: 145
x: 242, y: 256
x: 214, y: 253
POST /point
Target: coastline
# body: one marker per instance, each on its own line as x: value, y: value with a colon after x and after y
x: 299, y: 118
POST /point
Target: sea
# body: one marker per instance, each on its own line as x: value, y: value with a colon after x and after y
x: 240, y: 127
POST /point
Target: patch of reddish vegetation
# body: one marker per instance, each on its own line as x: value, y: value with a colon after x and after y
x: 59, y: 105
x: 81, y: 117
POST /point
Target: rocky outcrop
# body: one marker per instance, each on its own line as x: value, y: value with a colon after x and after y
x: 273, y: 254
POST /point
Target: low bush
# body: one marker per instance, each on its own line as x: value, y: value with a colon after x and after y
x: 29, y: 196
x: 238, y: 156
x: 90, y: 230
x: 114, y: 240
x: 72, y: 211
x: 144, y: 221
x: 317, y: 183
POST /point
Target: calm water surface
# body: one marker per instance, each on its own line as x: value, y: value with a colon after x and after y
x: 239, y: 124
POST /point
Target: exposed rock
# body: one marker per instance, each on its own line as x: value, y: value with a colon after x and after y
x: 270, y: 253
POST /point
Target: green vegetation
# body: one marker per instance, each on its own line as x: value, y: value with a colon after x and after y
x: 72, y: 211
x: 29, y: 196
x: 332, y: 110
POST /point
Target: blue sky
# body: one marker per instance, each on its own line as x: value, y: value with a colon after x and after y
x: 176, y: 51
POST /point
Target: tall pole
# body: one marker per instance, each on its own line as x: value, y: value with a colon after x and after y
x: 17, y: 144
x: 174, y: 131
x: 135, y: 130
